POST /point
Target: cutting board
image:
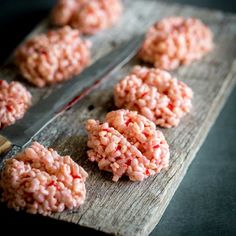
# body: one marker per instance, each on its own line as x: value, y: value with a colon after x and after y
x: 130, y: 208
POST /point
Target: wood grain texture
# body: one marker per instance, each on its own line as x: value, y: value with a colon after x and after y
x: 128, y: 208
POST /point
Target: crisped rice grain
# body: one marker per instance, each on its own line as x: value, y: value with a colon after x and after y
x: 89, y: 16
x: 127, y: 144
x: 155, y: 94
x: 174, y: 41
x: 14, y: 102
x: 53, y: 57
x: 39, y: 180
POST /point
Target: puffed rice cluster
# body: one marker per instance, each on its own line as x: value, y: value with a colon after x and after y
x: 89, y: 16
x: 53, y: 57
x: 155, y: 94
x: 14, y: 102
x: 39, y: 180
x: 127, y: 144
x: 176, y: 41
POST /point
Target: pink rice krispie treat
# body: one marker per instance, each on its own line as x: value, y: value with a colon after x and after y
x: 53, y: 57
x: 155, y: 94
x: 14, y: 102
x: 39, y: 180
x: 174, y: 41
x: 127, y: 144
x: 89, y: 16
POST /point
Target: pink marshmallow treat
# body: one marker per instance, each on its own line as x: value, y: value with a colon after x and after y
x: 155, y: 94
x: 14, y: 102
x: 89, y: 16
x: 53, y: 57
x: 39, y: 180
x: 176, y: 41
x: 127, y: 144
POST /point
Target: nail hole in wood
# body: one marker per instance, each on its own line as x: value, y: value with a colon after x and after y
x: 91, y: 107
x: 113, y: 44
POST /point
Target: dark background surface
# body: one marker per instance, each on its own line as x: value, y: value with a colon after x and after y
x: 205, y: 202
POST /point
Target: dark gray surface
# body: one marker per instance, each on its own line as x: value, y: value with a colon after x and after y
x: 205, y: 202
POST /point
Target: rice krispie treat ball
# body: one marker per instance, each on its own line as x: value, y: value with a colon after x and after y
x: 39, y: 180
x: 176, y: 41
x: 53, y: 57
x: 155, y: 94
x: 89, y: 16
x: 14, y: 102
x: 65, y: 10
x: 127, y: 144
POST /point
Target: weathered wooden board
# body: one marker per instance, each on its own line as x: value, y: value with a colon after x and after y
x: 127, y: 208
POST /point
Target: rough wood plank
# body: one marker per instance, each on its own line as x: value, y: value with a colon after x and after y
x: 127, y: 208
